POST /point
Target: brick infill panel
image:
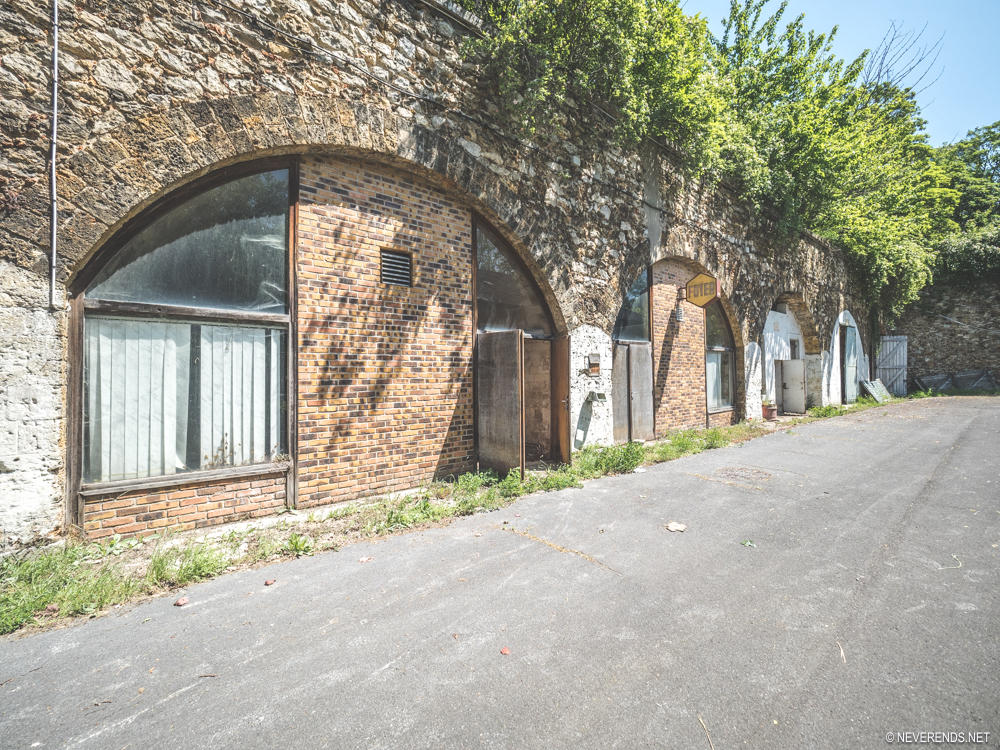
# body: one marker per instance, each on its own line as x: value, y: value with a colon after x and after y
x: 190, y: 506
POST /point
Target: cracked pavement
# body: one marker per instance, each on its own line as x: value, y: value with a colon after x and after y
x: 868, y: 604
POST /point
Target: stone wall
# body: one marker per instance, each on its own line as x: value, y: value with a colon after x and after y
x: 952, y: 328
x: 154, y: 96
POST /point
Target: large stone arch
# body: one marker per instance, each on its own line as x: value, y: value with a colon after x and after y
x: 114, y: 181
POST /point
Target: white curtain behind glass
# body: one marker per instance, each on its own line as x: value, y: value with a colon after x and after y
x: 139, y: 377
x: 239, y: 418
x: 713, y: 379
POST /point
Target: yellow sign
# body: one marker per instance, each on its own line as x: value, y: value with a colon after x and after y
x: 702, y: 289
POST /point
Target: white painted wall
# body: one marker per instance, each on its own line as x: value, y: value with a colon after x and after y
x: 779, y: 329
x: 591, y: 422
x: 752, y: 358
x: 31, y: 377
x: 831, y: 360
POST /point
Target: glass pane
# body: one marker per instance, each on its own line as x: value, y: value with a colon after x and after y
x: 507, y: 300
x: 719, y: 379
x: 717, y: 332
x: 725, y: 378
x: 712, y: 384
x: 633, y: 317
x: 225, y: 248
x: 164, y: 397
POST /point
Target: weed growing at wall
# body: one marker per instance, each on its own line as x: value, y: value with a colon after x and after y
x: 84, y: 579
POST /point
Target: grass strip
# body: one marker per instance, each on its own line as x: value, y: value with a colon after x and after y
x: 46, y: 585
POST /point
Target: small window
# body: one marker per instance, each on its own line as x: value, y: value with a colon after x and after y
x: 397, y: 268
x: 793, y: 345
x: 632, y: 323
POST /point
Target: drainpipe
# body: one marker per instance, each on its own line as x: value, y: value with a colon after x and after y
x: 52, y: 156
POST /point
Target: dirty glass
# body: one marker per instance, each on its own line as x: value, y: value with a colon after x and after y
x: 632, y: 323
x: 171, y: 397
x: 507, y: 300
x: 226, y: 248
x: 717, y: 333
x: 719, y: 379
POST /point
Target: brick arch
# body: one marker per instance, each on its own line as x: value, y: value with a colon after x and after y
x: 811, y: 343
x: 732, y: 314
x: 117, y: 177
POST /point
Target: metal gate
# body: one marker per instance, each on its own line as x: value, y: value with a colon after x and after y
x: 890, y: 366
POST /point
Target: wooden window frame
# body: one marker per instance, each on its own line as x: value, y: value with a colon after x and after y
x: 76, y: 491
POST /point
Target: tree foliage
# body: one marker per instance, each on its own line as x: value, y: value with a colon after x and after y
x: 971, y: 169
x: 806, y: 138
x: 643, y: 58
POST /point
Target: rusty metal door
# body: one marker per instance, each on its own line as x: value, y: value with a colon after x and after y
x: 500, y: 401
x: 890, y: 367
x: 559, y: 375
x: 620, y: 392
x: 640, y: 380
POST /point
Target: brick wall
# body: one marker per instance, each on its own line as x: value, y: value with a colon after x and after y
x: 188, y: 506
x: 678, y: 352
x: 384, y: 372
x: 722, y: 418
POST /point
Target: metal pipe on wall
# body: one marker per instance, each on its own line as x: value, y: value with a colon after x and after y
x: 52, y: 155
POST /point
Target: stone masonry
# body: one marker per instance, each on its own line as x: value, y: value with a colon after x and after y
x: 155, y: 95
x: 952, y: 328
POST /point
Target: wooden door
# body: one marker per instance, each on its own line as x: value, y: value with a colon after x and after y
x: 500, y: 401
x: 890, y: 367
x: 620, y: 392
x: 559, y: 374
x: 640, y: 380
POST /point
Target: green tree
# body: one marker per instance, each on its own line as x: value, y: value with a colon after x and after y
x: 972, y: 170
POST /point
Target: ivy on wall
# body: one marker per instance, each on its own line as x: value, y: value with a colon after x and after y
x: 816, y: 141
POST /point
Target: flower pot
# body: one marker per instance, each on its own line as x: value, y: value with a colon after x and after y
x: 770, y: 411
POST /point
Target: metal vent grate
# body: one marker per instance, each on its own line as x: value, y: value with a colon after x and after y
x: 397, y: 268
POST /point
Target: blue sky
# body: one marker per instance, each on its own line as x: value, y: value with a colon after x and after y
x: 966, y: 96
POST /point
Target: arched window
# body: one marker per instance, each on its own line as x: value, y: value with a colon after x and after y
x: 720, y: 355
x: 507, y: 298
x: 632, y: 323
x: 185, y: 338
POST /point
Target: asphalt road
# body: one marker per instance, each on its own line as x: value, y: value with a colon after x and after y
x: 869, y: 604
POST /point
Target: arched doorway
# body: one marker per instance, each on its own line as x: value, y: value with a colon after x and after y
x: 696, y: 352
x: 632, y: 365
x: 522, y: 368
x: 783, y: 381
